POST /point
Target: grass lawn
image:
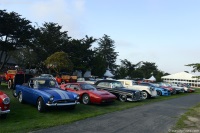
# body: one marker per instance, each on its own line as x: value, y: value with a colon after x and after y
x: 25, y: 117
x: 190, y: 121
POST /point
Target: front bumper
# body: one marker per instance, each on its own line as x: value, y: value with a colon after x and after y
x: 136, y: 97
x: 61, y: 104
x: 154, y: 93
x: 166, y: 93
x: 4, y: 111
x: 179, y: 90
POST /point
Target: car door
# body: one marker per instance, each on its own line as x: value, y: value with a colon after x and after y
x: 31, y: 92
x: 27, y: 92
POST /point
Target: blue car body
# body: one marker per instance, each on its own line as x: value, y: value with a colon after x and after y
x: 160, y: 91
x: 47, y: 91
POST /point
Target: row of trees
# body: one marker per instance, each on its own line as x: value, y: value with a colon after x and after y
x: 32, y: 46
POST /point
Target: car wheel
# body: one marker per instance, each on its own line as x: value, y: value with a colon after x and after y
x: 159, y: 93
x: 40, y: 105
x: 86, y: 99
x: 122, y: 98
x: 145, y: 95
x: 14, y: 93
x: 175, y: 92
x: 9, y: 84
x: 20, y: 97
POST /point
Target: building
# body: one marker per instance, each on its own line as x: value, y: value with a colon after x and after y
x: 182, y: 77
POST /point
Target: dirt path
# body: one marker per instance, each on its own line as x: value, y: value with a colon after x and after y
x: 157, y: 117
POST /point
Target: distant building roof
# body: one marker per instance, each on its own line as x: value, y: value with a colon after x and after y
x: 180, y: 75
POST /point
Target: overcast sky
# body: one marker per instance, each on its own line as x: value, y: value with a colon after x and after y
x: 165, y: 32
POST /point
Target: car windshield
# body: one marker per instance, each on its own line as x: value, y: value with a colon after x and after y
x: 165, y: 84
x: 116, y: 84
x: 45, y: 83
x: 46, y: 75
x: 87, y: 87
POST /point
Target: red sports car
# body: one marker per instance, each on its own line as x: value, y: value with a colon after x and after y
x: 4, y: 105
x: 89, y: 94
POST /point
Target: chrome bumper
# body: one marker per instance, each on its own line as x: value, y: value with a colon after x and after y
x: 4, y: 112
x: 61, y: 104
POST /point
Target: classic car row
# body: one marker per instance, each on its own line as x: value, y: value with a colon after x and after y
x: 44, y: 92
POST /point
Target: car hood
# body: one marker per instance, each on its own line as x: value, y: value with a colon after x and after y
x: 2, y: 95
x: 100, y: 92
x: 59, y: 94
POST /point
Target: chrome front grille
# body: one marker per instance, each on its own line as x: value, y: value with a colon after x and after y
x: 64, y: 101
x: 137, y: 95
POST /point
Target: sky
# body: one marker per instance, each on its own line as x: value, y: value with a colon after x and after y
x: 164, y: 32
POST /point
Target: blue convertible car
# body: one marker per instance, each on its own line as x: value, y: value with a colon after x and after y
x: 44, y: 92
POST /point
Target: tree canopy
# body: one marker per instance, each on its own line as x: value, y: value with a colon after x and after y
x: 59, y: 61
x: 15, y: 33
x: 195, y: 66
x: 50, y: 46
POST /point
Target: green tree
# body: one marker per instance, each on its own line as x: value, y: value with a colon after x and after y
x: 59, y: 61
x: 127, y: 69
x: 50, y: 40
x: 195, y: 66
x: 106, y: 50
x: 25, y: 57
x: 148, y: 69
x: 15, y: 33
x: 98, y: 67
x: 80, y: 52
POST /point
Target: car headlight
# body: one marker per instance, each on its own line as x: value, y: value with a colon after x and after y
x: 152, y: 88
x: 6, y: 100
x: 51, y: 98
x: 77, y: 97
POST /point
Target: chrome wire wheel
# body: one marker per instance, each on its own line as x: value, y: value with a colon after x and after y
x: 159, y: 93
x: 86, y: 99
x: 144, y: 94
x: 39, y: 105
x: 20, y: 97
x: 122, y: 98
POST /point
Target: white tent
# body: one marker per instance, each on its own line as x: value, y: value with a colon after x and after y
x: 180, y: 75
x: 108, y: 74
x: 152, y: 78
x: 87, y: 74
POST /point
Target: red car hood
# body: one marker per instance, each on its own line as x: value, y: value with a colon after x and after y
x: 101, y: 92
x: 2, y: 95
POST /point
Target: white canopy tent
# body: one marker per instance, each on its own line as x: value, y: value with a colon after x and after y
x: 182, y: 77
x: 152, y: 78
x: 108, y: 74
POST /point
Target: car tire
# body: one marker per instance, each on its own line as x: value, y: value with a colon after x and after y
x: 85, y: 99
x: 40, y: 105
x: 145, y: 95
x: 122, y: 98
x: 175, y: 92
x: 9, y: 84
x: 14, y: 93
x: 159, y: 93
x: 20, y: 97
